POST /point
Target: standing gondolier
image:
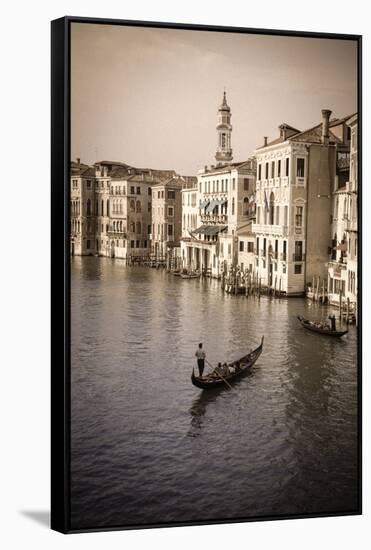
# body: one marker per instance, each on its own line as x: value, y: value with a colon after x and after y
x: 201, y: 355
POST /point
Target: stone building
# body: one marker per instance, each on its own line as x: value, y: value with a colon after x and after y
x: 166, y: 217
x: 223, y: 197
x: 111, y: 208
x: 343, y: 263
x: 295, y: 178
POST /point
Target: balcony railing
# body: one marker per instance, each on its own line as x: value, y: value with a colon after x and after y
x: 351, y: 225
x: 298, y: 257
x: 279, y: 230
x: 300, y: 180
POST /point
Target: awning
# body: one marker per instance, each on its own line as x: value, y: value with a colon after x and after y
x: 223, y: 202
x: 210, y: 229
x: 204, y: 203
x: 212, y: 205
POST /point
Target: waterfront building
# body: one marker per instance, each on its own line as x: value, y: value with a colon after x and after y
x: 111, y: 208
x: 342, y: 267
x: 166, y: 217
x: 296, y: 174
x: 82, y: 232
x: 224, y: 198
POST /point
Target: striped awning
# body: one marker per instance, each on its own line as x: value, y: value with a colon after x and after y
x: 210, y: 229
x: 204, y: 203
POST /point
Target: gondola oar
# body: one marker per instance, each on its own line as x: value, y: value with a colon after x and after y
x: 217, y: 371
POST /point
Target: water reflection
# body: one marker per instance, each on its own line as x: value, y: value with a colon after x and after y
x: 148, y: 446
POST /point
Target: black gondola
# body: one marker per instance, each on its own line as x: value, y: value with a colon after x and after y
x: 241, y: 367
x: 321, y: 329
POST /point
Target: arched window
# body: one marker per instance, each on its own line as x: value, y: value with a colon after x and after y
x: 78, y: 226
x: 114, y: 226
x: 102, y: 207
x: 88, y: 207
x: 233, y: 206
x: 138, y: 206
x: 132, y: 205
x: 139, y: 227
x: 271, y: 209
x: 96, y: 207
x: 107, y: 208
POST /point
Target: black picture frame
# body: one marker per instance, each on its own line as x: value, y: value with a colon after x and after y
x: 60, y: 264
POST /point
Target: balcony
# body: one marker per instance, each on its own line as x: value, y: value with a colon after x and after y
x: 266, y: 229
x: 351, y: 225
x: 298, y: 257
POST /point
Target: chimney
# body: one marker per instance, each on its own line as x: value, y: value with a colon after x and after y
x: 265, y: 141
x: 78, y: 162
x: 326, y: 113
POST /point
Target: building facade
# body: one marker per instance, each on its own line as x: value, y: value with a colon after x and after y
x: 111, y: 209
x: 343, y: 262
x: 166, y: 217
x: 295, y: 177
x: 223, y: 198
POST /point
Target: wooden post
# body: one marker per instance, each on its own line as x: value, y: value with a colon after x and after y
x: 348, y: 308
x: 280, y: 286
x: 340, y: 305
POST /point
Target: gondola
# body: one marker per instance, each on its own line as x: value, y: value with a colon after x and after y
x: 242, y: 366
x: 190, y: 275
x: 321, y: 329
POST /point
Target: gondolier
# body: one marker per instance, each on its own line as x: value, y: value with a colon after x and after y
x: 201, y: 355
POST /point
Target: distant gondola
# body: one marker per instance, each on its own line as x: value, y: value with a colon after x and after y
x: 321, y: 329
x: 241, y: 366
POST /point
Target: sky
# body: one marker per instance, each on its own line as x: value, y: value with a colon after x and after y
x: 149, y: 97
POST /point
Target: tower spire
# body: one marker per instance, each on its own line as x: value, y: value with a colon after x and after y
x: 224, y: 130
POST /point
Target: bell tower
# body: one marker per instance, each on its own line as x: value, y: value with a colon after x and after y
x: 224, y: 129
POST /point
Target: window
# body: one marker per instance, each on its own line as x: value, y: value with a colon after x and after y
x: 284, y: 253
x: 246, y: 184
x: 257, y: 245
x: 171, y: 194
x: 223, y: 141
x: 170, y: 211
x: 132, y: 190
x: 170, y: 230
x: 138, y: 227
x: 138, y: 207
x: 138, y: 190
x: 259, y: 172
x: 250, y: 247
x: 287, y: 169
x: 88, y: 207
x: 272, y: 170
x: 132, y: 205
x: 266, y: 170
x: 233, y: 184
x: 226, y: 186
x: 300, y: 168
x: 279, y: 168
x: 88, y: 244
x: 297, y: 269
x: 149, y: 190
x: 88, y: 184
x: 229, y: 249
x: 233, y: 206
x: 299, y: 216
x: 137, y: 244
x: 298, y: 256
x: 241, y: 246
x: 286, y: 214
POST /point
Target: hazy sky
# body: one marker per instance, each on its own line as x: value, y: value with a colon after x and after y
x: 149, y: 97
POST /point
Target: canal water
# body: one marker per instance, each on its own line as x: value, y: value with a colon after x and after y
x: 149, y: 447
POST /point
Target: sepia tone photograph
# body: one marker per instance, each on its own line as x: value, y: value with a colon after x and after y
x: 214, y: 276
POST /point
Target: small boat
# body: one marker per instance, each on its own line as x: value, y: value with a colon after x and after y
x: 190, y: 275
x: 320, y: 328
x: 237, y: 369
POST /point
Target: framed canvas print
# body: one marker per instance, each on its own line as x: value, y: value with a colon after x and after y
x: 206, y: 277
